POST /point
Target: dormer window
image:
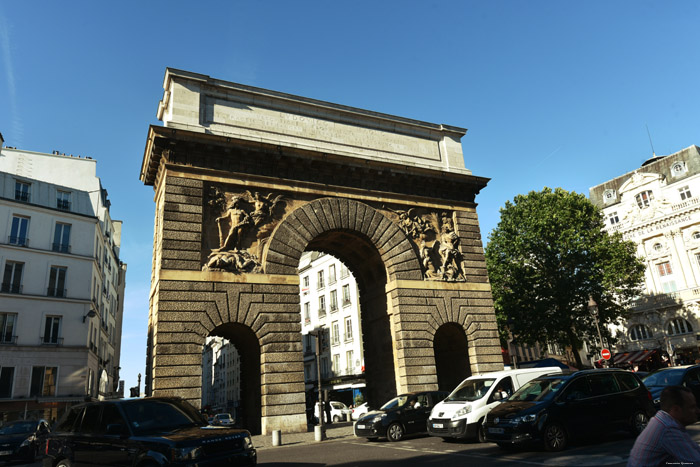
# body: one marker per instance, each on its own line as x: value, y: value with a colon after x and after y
x: 22, y: 191
x: 609, y: 196
x: 678, y: 168
x: 644, y: 199
x: 657, y: 247
x: 696, y: 235
x: 684, y: 192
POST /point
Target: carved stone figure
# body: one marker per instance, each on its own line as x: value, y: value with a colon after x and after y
x: 451, y: 268
x: 233, y: 261
x: 239, y: 220
x: 264, y: 206
x: 429, y: 269
x: 413, y: 225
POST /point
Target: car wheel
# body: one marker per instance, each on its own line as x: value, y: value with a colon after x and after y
x: 638, y: 423
x: 481, y: 433
x: 64, y: 463
x: 555, y: 437
x: 336, y: 418
x: 394, y: 432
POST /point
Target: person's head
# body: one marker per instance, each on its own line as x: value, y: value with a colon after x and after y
x: 679, y: 402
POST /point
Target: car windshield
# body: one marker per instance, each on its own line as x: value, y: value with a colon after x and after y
x: 154, y: 416
x: 398, y: 401
x: 223, y: 416
x: 15, y: 428
x: 538, y: 390
x: 471, y: 390
x: 664, y: 378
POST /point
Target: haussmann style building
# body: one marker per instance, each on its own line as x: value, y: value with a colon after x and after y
x: 658, y: 207
x: 62, y: 289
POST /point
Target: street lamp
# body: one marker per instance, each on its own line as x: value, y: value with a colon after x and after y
x: 593, y: 309
x: 317, y: 333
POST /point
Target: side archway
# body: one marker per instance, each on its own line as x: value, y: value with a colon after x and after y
x: 451, y: 356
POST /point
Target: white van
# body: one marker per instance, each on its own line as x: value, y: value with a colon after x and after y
x: 460, y: 415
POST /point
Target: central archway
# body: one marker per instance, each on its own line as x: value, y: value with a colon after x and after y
x: 451, y: 356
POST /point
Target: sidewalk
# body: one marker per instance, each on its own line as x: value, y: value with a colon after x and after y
x: 334, y: 431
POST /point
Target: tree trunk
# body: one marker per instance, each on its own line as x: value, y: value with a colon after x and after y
x: 573, y: 341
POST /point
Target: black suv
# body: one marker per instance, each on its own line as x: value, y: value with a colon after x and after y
x: 150, y: 432
x: 556, y: 409
x: 404, y: 414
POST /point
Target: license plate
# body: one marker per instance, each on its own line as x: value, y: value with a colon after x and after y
x: 497, y: 431
x: 361, y: 427
x: 5, y: 453
x: 437, y: 425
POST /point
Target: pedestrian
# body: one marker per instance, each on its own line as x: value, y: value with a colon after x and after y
x: 665, y: 441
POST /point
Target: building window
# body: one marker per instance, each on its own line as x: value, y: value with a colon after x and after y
x: 658, y: 247
x: 679, y: 326
x: 22, y: 191
x: 18, y: 232
x: 639, y: 332
x: 61, y: 238
x: 684, y: 192
x: 307, y: 313
x: 52, y: 330
x: 346, y: 295
x: 644, y: 199
x: 7, y: 375
x: 336, y: 363
x: 7, y: 328
x: 349, y: 361
x: 63, y: 200
x: 696, y: 235
x: 344, y: 271
x: 57, y: 281
x: 334, y: 300
x: 335, y: 333
x: 12, y: 279
x: 43, y: 381
x: 305, y: 284
x: 321, y: 283
x: 331, y: 274
x: 678, y: 168
x: 669, y: 287
x: 348, y: 328
x: 613, y: 218
x: 609, y: 196
x: 321, y: 306
x: 664, y: 268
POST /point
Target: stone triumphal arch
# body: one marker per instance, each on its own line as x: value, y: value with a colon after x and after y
x: 246, y: 179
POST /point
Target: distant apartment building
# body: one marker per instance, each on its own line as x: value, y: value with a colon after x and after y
x: 62, y: 289
x: 221, y: 376
x: 658, y: 207
x: 330, y: 302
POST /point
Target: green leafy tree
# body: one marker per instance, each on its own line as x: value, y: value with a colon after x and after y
x: 546, y: 257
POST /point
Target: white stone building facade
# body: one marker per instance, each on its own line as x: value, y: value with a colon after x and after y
x: 658, y: 207
x: 221, y: 376
x: 329, y: 300
x: 62, y: 289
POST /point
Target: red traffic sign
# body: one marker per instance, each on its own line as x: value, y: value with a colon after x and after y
x: 605, y: 353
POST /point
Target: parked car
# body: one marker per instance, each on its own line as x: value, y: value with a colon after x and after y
x: 688, y: 376
x: 402, y: 415
x: 553, y: 410
x: 223, y: 419
x: 158, y: 431
x: 462, y: 413
x: 360, y: 410
x: 20, y: 439
x: 339, y: 411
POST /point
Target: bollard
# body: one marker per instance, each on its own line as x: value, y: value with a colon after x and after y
x: 319, y: 433
x: 276, y: 437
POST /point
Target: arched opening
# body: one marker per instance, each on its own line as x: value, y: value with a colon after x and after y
x: 451, y: 356
x: 357, y: 253
x: 231, y: 369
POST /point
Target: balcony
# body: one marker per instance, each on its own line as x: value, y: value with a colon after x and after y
x: 335, y: 340
x: 347, y: 337
x: 8, y: 340
x: 322, y: 313
x: 307, y: 320
x: 60, y: 247
x: 10, y: 288
x: 55, y: 341
x: 56, y: 292
x: 346, y: 302
x: 19, y: 241
x: 63, y: 204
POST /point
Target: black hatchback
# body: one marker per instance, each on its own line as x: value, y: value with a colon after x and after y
x: 553, y: 410
x: 156, y: 431
x: 688, y: 376
x: 404, y: 414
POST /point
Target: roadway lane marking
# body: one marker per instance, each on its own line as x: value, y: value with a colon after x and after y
x: 582, y: 460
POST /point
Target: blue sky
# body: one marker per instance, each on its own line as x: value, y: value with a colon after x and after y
x: 552, y: 93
